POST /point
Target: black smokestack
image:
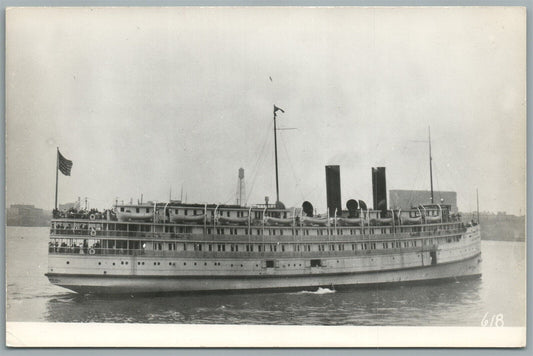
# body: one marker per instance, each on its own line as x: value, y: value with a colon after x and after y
x: 333, y: 189
x: 379, y: 188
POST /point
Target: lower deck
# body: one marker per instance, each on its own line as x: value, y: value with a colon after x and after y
x: 121, y: 284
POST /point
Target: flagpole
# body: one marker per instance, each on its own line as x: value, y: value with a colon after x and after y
x: 276, y: 157
x: 57, y: 169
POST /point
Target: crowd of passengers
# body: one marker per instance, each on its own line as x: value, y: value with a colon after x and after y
x: 93, y: 214
x: 74, y: 248
x: 71, y: 228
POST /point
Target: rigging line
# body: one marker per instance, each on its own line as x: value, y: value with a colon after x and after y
x: 260, y: 158
x: 292, y: 167
x: 415, y: 182
x: 255, y: 172
x: 436, y: 178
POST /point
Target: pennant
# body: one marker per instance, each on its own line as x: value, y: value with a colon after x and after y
x: 278, y: 109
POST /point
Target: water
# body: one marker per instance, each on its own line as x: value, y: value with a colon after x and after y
x: 501, y: 290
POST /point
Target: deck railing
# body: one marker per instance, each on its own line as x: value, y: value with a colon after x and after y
x: 332, y: 236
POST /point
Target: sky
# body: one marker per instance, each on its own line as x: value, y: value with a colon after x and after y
x: 160, y: 101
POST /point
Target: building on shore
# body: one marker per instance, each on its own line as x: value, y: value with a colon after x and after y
x: 405, y: 199
x: 27, y: 215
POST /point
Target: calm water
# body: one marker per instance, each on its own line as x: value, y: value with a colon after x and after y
x: 30, y: 297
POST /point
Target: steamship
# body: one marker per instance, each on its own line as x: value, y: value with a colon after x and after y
x: 179, y: 247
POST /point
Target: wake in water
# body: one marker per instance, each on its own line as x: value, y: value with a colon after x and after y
x: 320, y: 290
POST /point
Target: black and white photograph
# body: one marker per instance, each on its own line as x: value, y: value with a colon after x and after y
x: 265, y: 176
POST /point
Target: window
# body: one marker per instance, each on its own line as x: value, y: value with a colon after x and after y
x: 316, y: 263
x: 269, y: 263
x: 122, y: 209
x: 137, y: 210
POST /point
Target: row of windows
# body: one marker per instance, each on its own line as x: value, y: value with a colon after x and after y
x: 290, y: 247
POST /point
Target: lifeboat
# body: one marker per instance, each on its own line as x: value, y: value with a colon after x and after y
x: 381, y: 222
x: 129, y: 216
x: 411, y: 221
x: 229, y: 220
x: 278, y: 221
x: 433, y: 219
x: 314, y: 221
x: 349, y: 221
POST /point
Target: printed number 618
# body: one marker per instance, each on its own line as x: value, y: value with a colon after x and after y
x: 494, y: 320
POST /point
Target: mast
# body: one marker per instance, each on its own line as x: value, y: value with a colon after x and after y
x: 276, y: 156
x: 276, y: 150
x: 430, y: 165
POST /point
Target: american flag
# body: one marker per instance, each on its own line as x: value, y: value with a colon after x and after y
x: 64, y: 164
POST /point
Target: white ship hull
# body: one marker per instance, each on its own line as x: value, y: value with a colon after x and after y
x: 171, y: 284
x: 193, y: 272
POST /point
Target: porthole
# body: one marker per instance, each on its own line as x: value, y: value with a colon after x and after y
x: 143, y: 263
x: 126, y: 262
x: 99, y: 263
x: 113, y: 263
x: 185, y: 263
x: 170, y: 263
x: 155, y: 263
x: 105, y: 272
x: 195, y: 263
x: 232, y: 265
x: 138, y: 263
x: 121, y: 262
x: 68, y: 262
x: 242, y: 266
x: 158, y: 263
x: 205, y: 263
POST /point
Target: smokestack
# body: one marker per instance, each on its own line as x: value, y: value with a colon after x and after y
x: 379, y: 188
x: 333, y: 189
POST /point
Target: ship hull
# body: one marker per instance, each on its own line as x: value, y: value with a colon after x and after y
x: 135, y: 284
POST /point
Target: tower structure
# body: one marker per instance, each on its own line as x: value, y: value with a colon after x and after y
x: 241, y: 188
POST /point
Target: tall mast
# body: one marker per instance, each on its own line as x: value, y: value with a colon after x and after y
x: 430, y: 165
x: 276, y: 154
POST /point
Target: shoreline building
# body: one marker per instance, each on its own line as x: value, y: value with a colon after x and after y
x: 405, y: 199
x: 27, y: 215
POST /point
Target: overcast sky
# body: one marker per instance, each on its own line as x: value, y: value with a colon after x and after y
x: 147, y: 100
